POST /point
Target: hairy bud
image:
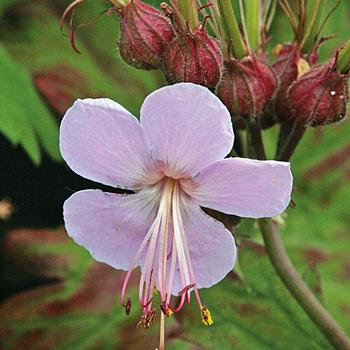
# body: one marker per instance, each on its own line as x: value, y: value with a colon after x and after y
x: 193, y: 57
x: 319, y: 96
x: 145, y: 32
x: 246, y: 87
x: 286, y: 70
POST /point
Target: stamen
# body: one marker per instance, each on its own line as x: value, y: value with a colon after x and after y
x: 187, y: 252
x: 148, y: 293
x: 136, y: 258
x: 183, y: 267
x: 186, y: 289
x: 181, y: 304
x: 148, y: 268
x: 148, y: 303
x: 206, y: 316
x: 159, y: 252
x: 172, y: 272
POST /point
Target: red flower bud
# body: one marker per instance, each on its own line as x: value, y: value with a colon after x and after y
x: 246, y: 87
x: 145, y: 32
x: 286, y: 70
x: 319, y: 96
x: 193, y: 57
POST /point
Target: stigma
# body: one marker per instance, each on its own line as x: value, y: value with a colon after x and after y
x: 165, y: 258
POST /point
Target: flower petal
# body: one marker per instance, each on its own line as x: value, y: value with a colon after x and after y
x: 102, y: 141
x: 188, y: 128
x: 111, y: 226
x: 244, y: 187
x: 212, y: 247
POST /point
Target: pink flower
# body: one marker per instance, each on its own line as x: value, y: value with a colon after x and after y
x: 174, y: 161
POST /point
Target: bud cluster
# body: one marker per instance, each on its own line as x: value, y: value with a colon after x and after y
x: 292, y: 88
x: 151, y: 39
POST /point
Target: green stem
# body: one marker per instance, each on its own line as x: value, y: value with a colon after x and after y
x: 311, y: 29
x: 297, y: 287
x: 343, y: 64
x: 253, y: 23
x: 231, y: 29
x: 188, y: 10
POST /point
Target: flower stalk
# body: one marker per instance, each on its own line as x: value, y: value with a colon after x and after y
x: 254, y: 127
x: 312, y: 24
x: 287, y: 148
x: 280, y: 259
x: 298, y: 288
x: 188, y: 10
x: 253, y: 25
x: 231, y: 29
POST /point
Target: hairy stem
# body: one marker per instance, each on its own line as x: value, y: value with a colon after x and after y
x: 297, y: 287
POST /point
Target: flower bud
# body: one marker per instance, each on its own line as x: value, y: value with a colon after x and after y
x: 145, y: 32
x: 286, y: 70
x: 246, y: 87
x: 319, y: 96
x: 193, y: 57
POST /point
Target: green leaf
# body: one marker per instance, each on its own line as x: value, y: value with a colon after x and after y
x: 80, y: 307
x: 256, y: 313
x: 97, y: 72
x: 4, y: 4
x: 24, y: 119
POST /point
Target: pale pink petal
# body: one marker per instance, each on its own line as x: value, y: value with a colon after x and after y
x: 111, y: 226
x: 244, y: 187
x: 102, y: 141
x: 188, y: 128
x: 211, y: 246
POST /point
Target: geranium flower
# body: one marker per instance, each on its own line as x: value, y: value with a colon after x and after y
x: 173, y: 159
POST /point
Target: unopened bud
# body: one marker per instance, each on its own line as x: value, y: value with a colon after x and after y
x: 193, y: 57
x: 145, y: 32
x: 286, y: 70
x: 246, y: 87
x: 319, y: 96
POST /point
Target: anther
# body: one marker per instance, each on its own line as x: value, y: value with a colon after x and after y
x: 206, y: 316
x: 147, y: 319
x: 166, y: 309
x: 127, y: 307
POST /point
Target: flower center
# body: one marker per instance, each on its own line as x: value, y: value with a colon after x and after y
x: 165, y: 253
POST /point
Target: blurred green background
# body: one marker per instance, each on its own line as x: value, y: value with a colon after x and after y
x: 53, y: 295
